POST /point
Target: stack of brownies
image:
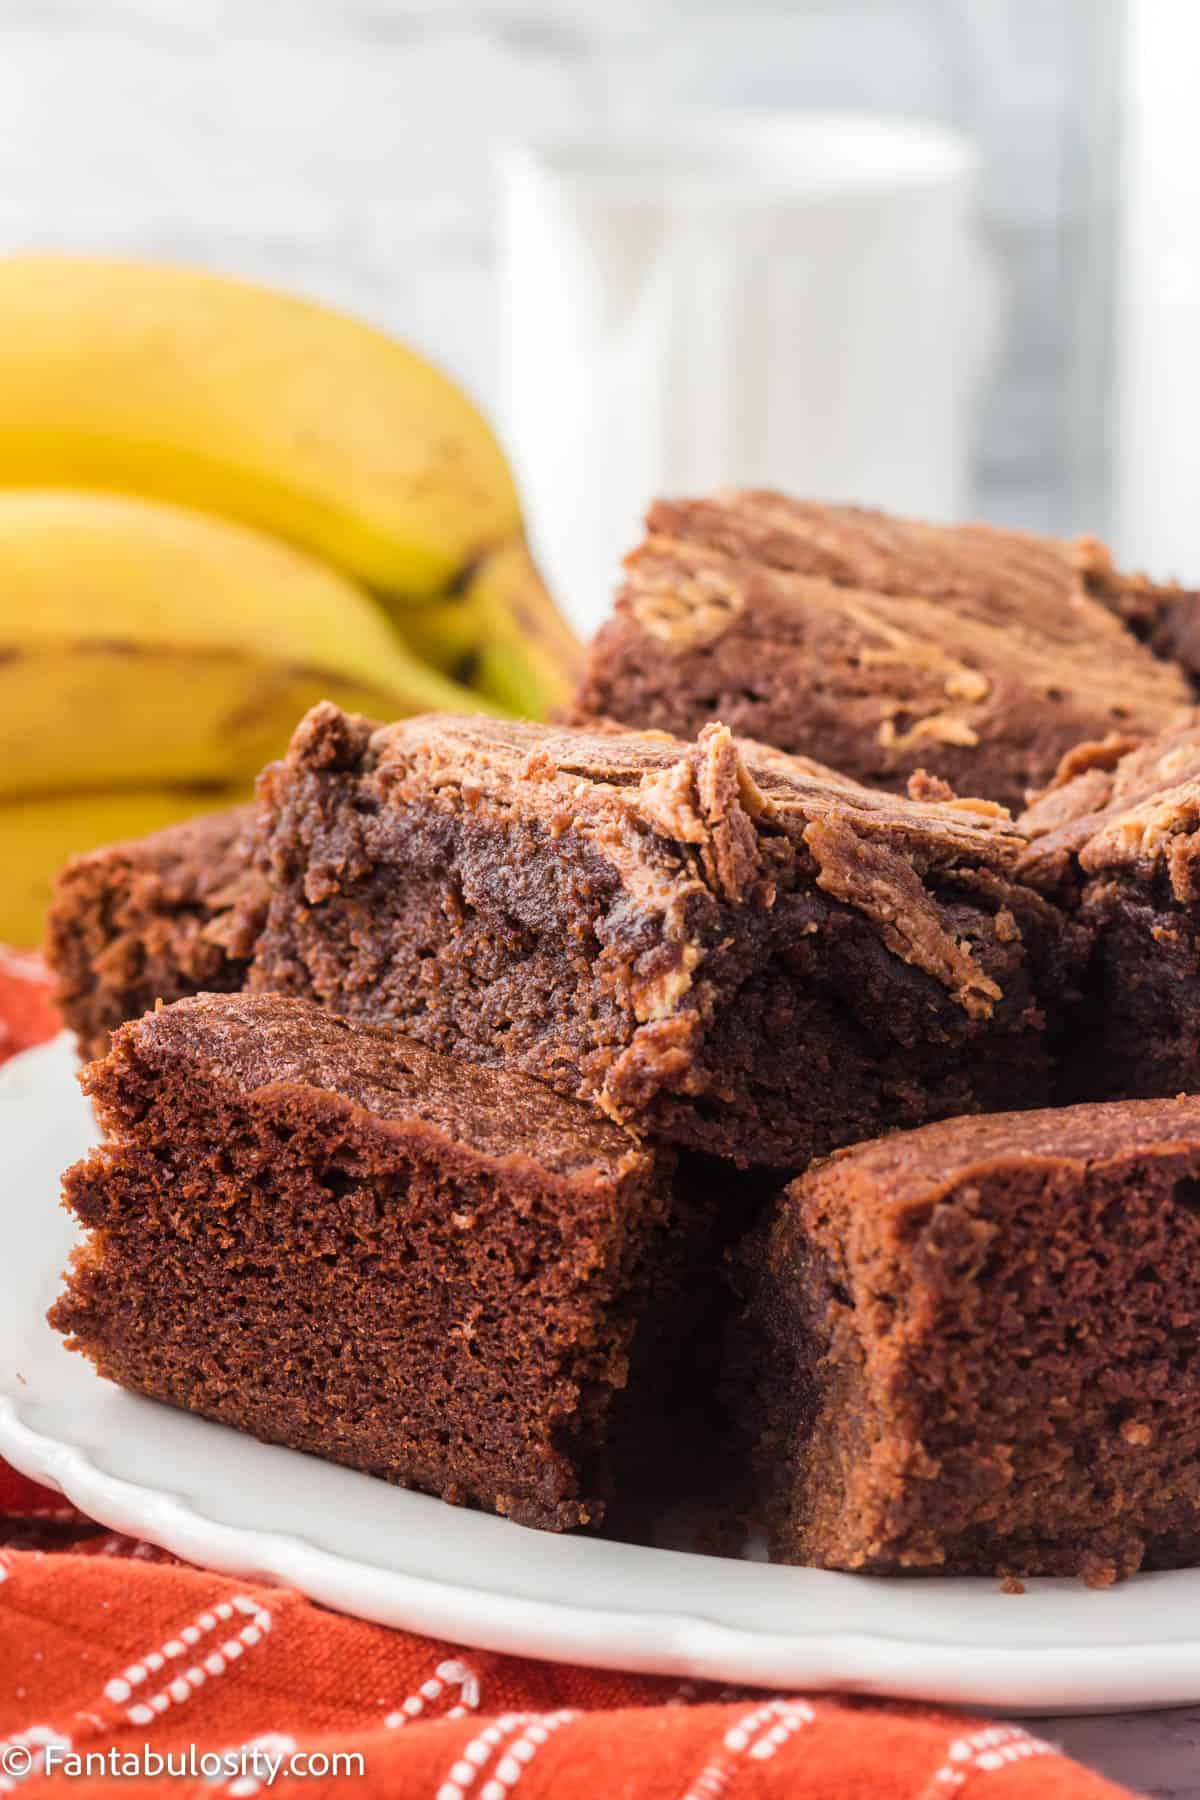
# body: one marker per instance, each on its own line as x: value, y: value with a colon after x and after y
x: 523, y: 1112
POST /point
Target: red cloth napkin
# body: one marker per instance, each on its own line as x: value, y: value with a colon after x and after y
x: 27, y: 1016
x: 113, y: 1654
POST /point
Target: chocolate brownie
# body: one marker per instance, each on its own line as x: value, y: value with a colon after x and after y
x: 335, y: 1239
x: 880, y: 645
x: 143, y: 921
x: 719, y: 945
x: 976, y: 1348
x: 1116, y: 842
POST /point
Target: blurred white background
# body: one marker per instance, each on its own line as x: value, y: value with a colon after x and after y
x: 345, y: 148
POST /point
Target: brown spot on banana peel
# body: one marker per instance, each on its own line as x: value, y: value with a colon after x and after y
x: 115, y: 646
x: 453, y: 588
x: 544, y: 628
x: 464, y: 575
x: 204, y: 794
x: 268, y: 681
x: 277, y: 677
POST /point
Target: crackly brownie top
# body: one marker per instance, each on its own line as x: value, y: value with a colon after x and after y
x: 267, y: 1041
x: 859, y: 547
x: 1120, y: 806
x: 910, y: 1166
x: 1020, y: 606
x: 719, y: 816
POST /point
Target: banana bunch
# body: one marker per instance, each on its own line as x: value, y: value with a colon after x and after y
x: 219, y: 504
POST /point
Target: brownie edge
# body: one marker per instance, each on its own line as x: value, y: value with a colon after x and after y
x: 1115, y: 841
x: 882, y: 645
x: 973, y: 1348
x: 335, y: 1239
x: 721, y: 946
x: 148, y: 920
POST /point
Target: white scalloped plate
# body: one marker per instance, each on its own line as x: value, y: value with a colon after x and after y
x: 354, y: 1543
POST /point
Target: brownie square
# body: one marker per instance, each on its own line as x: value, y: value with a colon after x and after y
x: 881, y: 645
x: 1115, y: 840
x: 335, y: 1239
x: 975, y: 1348
x: 143, y: 921
x: 716, y: 944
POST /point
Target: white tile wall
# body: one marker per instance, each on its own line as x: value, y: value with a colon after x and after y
x: 343, y: 147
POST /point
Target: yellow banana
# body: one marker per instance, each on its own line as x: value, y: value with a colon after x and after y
x: 38, y: 835
x: 238, y: 400
x: 501, y: 634
x: 144, y: 645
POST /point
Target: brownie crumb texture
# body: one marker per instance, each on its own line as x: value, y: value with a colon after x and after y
x: 337, y: 1240
x: 973, y: 1348
x: 883, y: 645
x: 719, y: 945
x: 1115, y: 841
x: 149, y: 920
x: 455, y: 1096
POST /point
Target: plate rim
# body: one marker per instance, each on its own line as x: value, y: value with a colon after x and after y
x: 682, y: 1644
x: 1021, y: 1677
